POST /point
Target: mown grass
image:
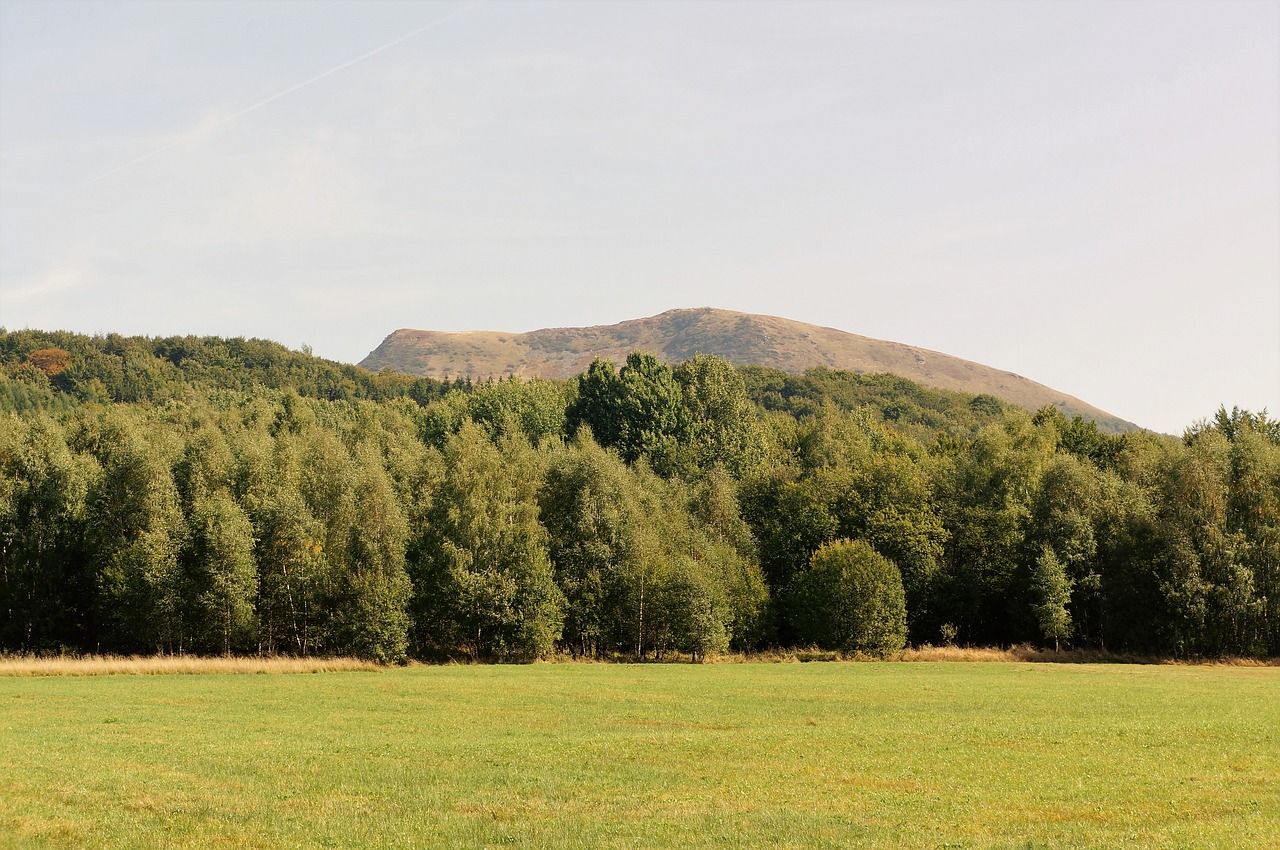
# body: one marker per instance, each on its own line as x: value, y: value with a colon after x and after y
x: 970, y: 755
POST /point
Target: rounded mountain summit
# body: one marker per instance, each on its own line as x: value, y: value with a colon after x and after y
x: 741, y: 338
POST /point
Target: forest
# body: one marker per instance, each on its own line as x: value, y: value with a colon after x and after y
x: 229, y: 496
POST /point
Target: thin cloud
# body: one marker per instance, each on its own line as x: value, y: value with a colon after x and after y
x: 58, y: 280
x: 209, y: 127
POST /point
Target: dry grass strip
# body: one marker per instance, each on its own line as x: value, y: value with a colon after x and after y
x: 1019, y: 653
x: 1024, y: 652
x: 143, y: 665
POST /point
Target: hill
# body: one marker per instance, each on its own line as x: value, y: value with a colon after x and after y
x: 56, y: 370
x: 741, y: 338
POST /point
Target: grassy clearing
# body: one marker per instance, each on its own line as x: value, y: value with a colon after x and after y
x: 140, y: 665
x: 959, y: 755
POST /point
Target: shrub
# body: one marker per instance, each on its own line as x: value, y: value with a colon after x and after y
x: 850, y: 599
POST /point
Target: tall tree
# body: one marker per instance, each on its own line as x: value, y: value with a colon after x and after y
x: 374, y: 588
x: 532, y: 409
x: 482, y: 580
x: 599, y: 544
x: 46, y: 592
x: 138, y: 529
x: 723, y: 425
x: 1051, y: 590
x: 596, y: 403
x: 983, y: 495
x: 223, y: 571
x: 639, y: 410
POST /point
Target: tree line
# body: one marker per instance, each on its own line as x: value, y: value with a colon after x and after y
x: 231, y: 504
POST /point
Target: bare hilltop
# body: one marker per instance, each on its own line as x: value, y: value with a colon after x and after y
x: 741, y: 338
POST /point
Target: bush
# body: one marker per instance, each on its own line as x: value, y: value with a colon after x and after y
x: 850, y: 599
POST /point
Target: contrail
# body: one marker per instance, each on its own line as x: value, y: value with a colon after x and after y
x: 243, y: 112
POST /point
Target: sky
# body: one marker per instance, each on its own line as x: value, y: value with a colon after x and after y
x: 1085, y: 193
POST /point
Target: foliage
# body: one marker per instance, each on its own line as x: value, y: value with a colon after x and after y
x: 600, y: 545
x: 483, y: 577
x: 723, y: 424
x: 145, y: 369
x: 638, y: 410
x: 1052, y: 591
x: 911, y: 408
x: 851, y: 599
x: 197, y: 495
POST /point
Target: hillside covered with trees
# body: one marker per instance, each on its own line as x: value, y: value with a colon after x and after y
x: 219, y: 496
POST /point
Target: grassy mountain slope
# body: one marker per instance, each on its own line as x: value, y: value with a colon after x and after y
x: 742, y: 338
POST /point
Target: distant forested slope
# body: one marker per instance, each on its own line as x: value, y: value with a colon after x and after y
x: 60, y: 368
x: 230, y: 496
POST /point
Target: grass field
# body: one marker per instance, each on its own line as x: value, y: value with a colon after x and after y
x: 959, y: 755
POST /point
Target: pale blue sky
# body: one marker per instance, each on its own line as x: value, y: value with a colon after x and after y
x: 1085, y: 193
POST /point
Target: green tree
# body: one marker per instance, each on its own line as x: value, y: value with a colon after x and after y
x: 533, y: 409
x: 596, y: 403
x: 1065, y: 513
x: 1253, y: 512
x: 723, y: 543
x: 138, y: 530
x: 328, y: 478
x: 704, y: 591
x: 851, y: 598
x: 639, y: 411
x: 224, y: 572
x: 687, y: 613
x: 723, y: 425
x: 983, y: 495
x: 1051, y: 590
x: 374, y: 588
x: 599, y: 543
x: 886, y: 499
x: 482, y: 578
x: 46, y: 592
x: 791, y: 519
x: 290, y: 555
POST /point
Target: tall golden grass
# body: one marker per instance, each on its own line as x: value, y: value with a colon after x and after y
x: 148, y: 665
x: 1024, y: 652
x: 988, y: 654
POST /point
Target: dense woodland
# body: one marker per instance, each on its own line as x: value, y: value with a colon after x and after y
x: 200, y: 495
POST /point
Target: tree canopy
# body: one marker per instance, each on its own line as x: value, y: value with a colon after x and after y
x: 231, y: 496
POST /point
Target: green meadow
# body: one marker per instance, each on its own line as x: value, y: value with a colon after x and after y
x: 955, y: 755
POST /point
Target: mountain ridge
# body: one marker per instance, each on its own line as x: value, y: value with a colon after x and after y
x: 741, y: 338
